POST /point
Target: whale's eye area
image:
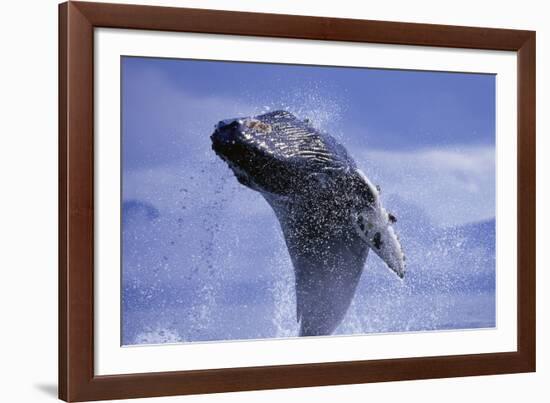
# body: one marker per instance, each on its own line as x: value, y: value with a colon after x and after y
x: 258, y: 126
x: 392, y: 218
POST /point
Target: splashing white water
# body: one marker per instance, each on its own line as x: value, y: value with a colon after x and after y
x: 284, y: 296
x: 311, y: 101
x: 158, y: 336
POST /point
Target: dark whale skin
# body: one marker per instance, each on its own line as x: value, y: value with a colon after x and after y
x: 314, y: 188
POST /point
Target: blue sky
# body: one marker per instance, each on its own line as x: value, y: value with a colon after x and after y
x: 200, y: 247
x: 402, y: 109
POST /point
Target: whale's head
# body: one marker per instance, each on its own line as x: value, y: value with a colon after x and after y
x: 278, y: 153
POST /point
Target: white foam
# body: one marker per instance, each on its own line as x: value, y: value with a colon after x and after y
x: 158, y: 336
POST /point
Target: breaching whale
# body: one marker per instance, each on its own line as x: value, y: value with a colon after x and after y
x: 330, y: 213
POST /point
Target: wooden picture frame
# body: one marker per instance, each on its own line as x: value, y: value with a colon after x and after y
x: 77, y: 381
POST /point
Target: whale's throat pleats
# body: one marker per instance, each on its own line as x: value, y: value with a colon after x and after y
x: 328, y: 259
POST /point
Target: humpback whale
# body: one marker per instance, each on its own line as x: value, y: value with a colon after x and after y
x: 330, y: 213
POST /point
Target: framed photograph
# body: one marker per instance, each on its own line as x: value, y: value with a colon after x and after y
x: 255, y: 201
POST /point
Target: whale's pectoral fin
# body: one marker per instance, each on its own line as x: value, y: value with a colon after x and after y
x: 375, y: 228
x: 374, y: 225
x: 327, y: 271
